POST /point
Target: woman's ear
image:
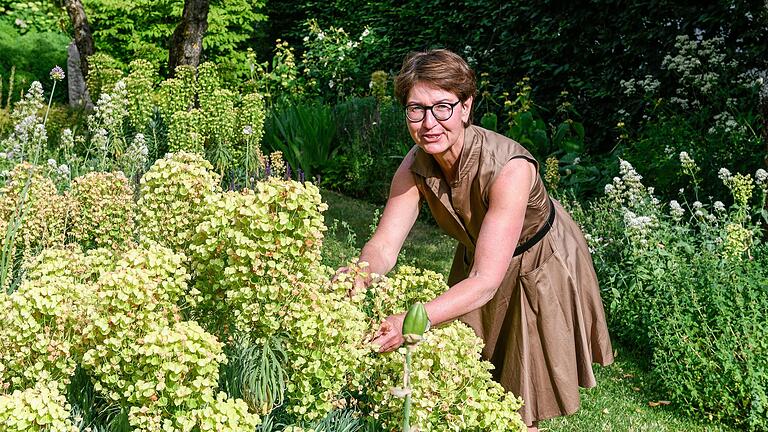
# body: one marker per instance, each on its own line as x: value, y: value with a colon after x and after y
x: 466, y: 110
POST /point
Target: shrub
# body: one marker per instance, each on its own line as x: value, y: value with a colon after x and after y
x: 710, y: 354
x: 172, y: 365
x: 251, y: 246
x: 63, y: 262
x: 684, y: 284
x: 452, y: 388
x: 42, y: 408
x: 101, y: 211
x: 38, y: 335
x: 452, y: 385
x: 216, y: 413
x: 171, y: 198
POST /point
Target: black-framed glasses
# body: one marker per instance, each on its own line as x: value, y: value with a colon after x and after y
x: 441, y: 111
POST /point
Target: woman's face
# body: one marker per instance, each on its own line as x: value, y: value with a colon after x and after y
x: 436, y: 137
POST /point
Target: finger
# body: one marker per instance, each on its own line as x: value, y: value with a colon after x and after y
x: 379, y: 344
x: 381, y: 332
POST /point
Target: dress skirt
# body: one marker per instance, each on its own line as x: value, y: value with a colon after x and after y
x: 546, y: 325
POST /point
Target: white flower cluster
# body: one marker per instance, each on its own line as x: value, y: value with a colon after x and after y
x: 112, y: 108
x: 676, y: 210
x: 61, y: 171
x: 137, y: 152
x: 756, y: 78
x: 67, y: 140
x: 680, y: 102
x: 725, y: 123
x: 29, y: 133
x: 594, y: 242
x: 724, y: 175
x: 648, y: 85
x: 628, y: 189
x: 637, y: 223
x: 100, y: 140
x: 698, y: 63
x: 687, y: 161
x: 32, y: 103
x: 761, y: 176
x: 24, y: 130
x: 698, y: 209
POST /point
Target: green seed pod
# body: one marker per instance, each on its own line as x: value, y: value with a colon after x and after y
x: 416, y: 320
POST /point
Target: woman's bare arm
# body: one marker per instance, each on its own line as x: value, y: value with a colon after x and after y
x: 400, y: 213
x: 496, y: 244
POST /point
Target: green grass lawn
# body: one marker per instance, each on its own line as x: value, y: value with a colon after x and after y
x: 624, y: 399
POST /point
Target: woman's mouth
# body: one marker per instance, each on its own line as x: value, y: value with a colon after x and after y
x: 431, y: 137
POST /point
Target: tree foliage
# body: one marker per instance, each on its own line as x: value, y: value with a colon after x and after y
x: 143, y: 28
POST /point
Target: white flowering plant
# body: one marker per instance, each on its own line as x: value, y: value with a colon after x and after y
x: 334, y: 59
x: 702, y: 102
x: 682, y: 283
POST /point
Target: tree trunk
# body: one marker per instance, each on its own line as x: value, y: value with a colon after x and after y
x: 187, y: 40
x: 83, y: 35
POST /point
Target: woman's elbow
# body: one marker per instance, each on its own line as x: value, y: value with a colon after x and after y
x: 488, y: 290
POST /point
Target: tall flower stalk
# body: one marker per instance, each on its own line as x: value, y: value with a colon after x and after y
x: 57, y: 74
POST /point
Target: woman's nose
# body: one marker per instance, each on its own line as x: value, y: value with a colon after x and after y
x: 429, y: 119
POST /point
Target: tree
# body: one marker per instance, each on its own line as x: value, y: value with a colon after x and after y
x: 187, y: 39
x: 83, y: 34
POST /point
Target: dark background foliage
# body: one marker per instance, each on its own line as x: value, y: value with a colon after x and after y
x: 584, y: 47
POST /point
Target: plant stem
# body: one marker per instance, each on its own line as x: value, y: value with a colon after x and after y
x: 50, y: 99
x: 407, y: 388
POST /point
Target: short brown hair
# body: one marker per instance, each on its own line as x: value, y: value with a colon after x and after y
x: 441, y: 68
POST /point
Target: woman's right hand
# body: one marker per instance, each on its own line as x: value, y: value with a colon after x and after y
x: 362, y: 280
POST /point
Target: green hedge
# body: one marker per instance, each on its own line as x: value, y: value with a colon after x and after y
x: 586, y: 48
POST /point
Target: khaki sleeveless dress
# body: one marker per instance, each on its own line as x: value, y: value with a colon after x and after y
x: 546, y: 324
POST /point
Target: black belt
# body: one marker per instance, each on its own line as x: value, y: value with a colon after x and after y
x: 540, y: 233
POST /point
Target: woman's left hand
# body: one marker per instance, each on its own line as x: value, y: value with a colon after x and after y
x: 389, y: 336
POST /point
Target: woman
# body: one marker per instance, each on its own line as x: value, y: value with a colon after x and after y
x: 522, y: 276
